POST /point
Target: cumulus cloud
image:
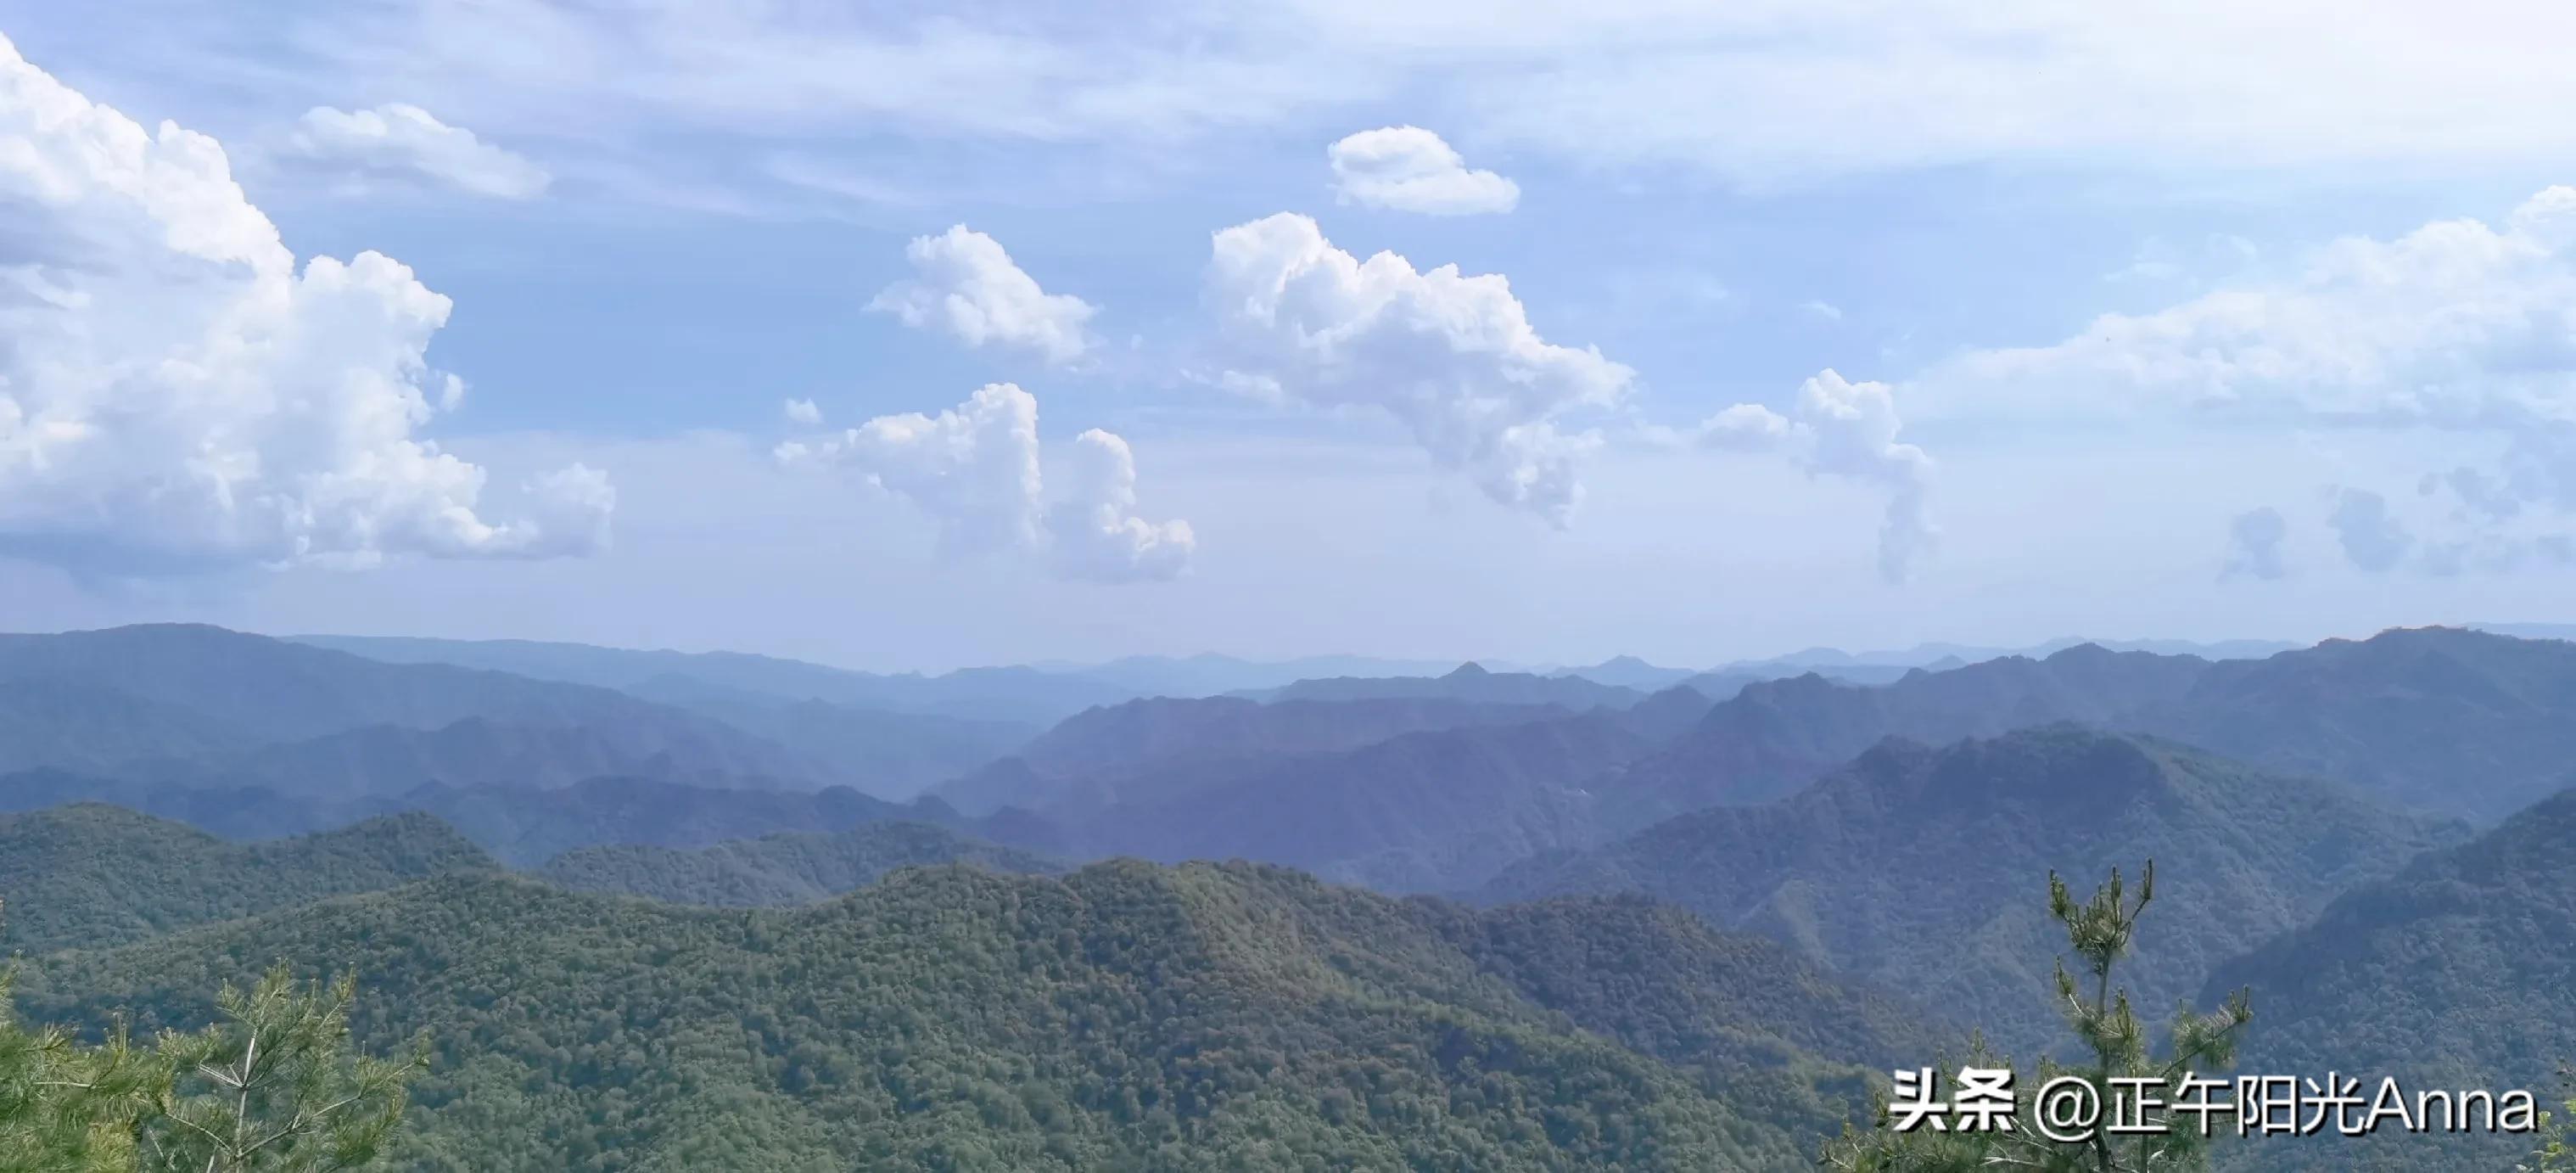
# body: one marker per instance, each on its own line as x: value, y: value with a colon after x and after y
x: 1452, y: 357
x: 406, y: 142
x: 1095, y: 529
x: 976, y: 470
x: 966, y: 284
x: 2254, y: 540
x: 176, y: 394
x: 803, y: 411
x: 1845, y: 429
x: 2373, y: 539
x: 1411, y: 169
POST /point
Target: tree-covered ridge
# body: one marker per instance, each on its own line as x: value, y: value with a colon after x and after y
x: 91, y: 876
x: 780, y: 869
x: 1126, y: 1016
x: 2458, y: 972
x: 1911, y: 866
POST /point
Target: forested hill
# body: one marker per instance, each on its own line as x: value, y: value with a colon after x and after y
x: 91, y: 876
x: 2458, y: 972
x: 1128, y: 1016
x: 780, y: 869
x: 1926, y: 868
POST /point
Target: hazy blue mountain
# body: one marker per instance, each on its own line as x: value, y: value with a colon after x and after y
x: 81, y: 726
x: 1467, y: 682
x: 2458, y: 972
x: 1083, y: 756
x: 2456, y: 722
x: 2453, y: 722
x: 1428, y: 811
x: 92, y: 876
x: 1926, y: 868
x: 1213, y: 675
x: 1010, y: 694
x: 1630, y: 672
x: 167, y: 690
x: 887, y: 753
x: 385, y: 760
x: 782, y: 869
x: 1774, y: 736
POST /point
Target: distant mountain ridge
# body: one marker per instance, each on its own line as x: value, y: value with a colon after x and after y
x: 1923, y: 868
x: 2449, y: 721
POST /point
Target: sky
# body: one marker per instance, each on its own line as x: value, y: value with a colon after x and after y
x: 914, y: 336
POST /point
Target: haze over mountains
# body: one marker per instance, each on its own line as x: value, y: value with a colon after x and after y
x: 1621, y: 917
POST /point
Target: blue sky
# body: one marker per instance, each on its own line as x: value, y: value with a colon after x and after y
x: 1846, y: 324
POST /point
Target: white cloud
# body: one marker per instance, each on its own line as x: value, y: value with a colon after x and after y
x: 976, y: 470
x: 175, y: 394
x: 1411, y: 169
x: 968, y: 286
x: 407, y: 142
x: 1452, y: 357
x: 803, y: 411
x: 1846, y: 429
x: 1825, y: 310
x: 1096, y: 531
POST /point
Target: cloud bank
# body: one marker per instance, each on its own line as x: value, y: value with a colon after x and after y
x: 176, y: 395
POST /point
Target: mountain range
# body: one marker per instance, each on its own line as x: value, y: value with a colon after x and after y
x: 670, y: 910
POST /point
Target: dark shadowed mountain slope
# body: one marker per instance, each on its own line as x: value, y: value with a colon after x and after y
x: 796, y: 868
x: 1127, y: 1016
x: 1102, y: 745
x: 1774, y: 736
x: 1141, y: 732
x: 1468, y: 682
x: 1429, y: 811
x: 525, y: 827
x: 887, y: 753
x: 91, y: 876
x: 1925, y: 869
x: 2458, y: 972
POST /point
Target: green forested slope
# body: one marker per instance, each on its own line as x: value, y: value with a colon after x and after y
x: 2458, y: 972
x: 1126, y: 1017
x: 793, y: 868
x: 90, y: 876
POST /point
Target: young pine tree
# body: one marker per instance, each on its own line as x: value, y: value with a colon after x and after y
x: 275, y: 1087
x: 2099, y: 932
x: 66, y: 1108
